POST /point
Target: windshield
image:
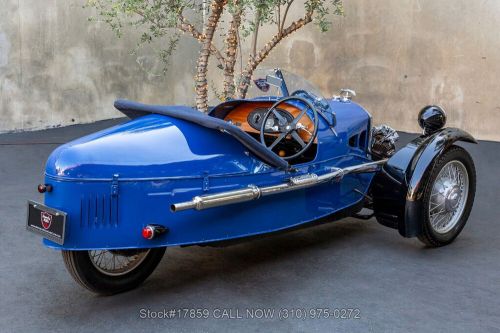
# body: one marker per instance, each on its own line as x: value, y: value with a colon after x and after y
x: 258, y: 87
x: 275, y: 83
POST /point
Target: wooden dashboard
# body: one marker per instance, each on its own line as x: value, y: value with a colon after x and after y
x: 239, y: 117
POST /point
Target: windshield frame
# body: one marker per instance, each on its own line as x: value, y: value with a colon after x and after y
x: 291, y: 83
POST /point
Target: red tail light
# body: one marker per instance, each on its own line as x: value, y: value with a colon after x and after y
x: 152, y: 230
x: 148, y: 232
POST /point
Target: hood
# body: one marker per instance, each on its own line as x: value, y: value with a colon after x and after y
x: 151, y: 146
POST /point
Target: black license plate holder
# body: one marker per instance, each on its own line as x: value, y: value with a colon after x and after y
x: 46, y: 221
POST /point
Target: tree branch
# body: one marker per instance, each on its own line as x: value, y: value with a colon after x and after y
x: 255, y: 33
x: 187, y: 27
x: 253, y: 62
x: 284, y: 15
x: 278, y: 19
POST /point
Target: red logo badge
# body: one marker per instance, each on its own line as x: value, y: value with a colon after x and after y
x: 262, y: 84
x: 46, y: 219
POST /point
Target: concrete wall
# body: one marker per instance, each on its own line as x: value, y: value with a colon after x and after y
x: 399, y: 55
x: 56, y: 68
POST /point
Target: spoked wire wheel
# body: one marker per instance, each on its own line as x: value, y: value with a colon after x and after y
x: 117, y: 262
x: 448, y: 197
x: 108, y: 272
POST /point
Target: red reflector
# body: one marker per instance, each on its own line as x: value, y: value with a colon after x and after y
x: 42, y: 188
x: 148, y: 232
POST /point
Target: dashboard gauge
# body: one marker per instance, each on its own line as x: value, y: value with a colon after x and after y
x: 256, y: 117
x: 269, y: 123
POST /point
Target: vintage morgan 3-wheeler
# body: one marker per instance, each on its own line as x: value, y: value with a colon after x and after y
x: 172, y: 176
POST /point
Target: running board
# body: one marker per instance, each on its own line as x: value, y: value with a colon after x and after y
x: 253, y: 192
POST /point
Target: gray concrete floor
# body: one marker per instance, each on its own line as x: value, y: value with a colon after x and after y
x: 396, y: 283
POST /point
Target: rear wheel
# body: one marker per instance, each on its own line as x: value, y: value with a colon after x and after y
x: 108, y: 272
x: 448, y: 197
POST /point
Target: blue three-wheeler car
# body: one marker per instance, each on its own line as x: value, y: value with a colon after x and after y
x: 282, y: 159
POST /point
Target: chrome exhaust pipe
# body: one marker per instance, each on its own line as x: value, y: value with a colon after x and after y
x: 219, y: 199
x: 253, y: 192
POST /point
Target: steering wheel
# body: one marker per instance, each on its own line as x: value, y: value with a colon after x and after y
x: 286, y: 128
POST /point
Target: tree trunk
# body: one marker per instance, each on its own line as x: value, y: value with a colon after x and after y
x: 231, y: 50
x: 253, y: 62
x: 216, y: 8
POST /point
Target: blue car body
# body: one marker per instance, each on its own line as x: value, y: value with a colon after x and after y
x: 173, y: 176
x: 114, y: 182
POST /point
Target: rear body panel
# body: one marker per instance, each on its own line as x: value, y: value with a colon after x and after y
x: 97, y: 219
x: 114, y: 182
x: 152, y: 146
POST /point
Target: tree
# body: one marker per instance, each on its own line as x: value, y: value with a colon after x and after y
x: 169, y: 20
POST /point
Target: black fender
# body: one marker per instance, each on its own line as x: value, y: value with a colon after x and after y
x: 398, y: 187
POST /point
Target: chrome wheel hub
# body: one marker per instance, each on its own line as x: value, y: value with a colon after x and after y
x: 448, y: 197
x: 451, y: 195
x: 117, y: 262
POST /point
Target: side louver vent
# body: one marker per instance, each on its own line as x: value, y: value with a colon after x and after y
x: 98, y: 211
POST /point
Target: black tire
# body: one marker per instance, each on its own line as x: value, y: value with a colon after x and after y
x: 429, y: 236
x: 83, y: 271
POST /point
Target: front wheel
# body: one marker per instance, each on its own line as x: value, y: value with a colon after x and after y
x: 448, y: 197
x: 107, y: 272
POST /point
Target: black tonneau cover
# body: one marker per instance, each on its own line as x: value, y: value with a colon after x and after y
x: 134, y: 109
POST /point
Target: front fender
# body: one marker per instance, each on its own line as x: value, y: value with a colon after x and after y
x: 397, y: 189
